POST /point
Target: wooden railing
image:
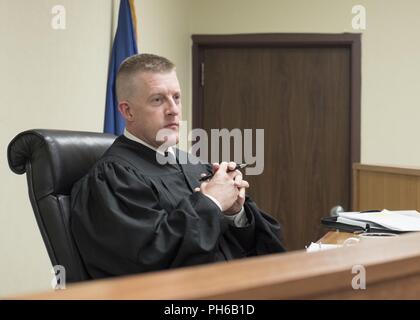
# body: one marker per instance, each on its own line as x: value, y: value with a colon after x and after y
x: 391, y: 267
x: 385, y: 187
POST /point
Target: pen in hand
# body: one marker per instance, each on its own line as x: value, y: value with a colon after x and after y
x: 209, y: 176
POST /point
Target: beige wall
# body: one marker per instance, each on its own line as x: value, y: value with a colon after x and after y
x: 57, y: 79
x: 163, y: 29
x: 48, y: 79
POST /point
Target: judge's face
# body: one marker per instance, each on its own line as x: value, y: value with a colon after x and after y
x: 155, y: 105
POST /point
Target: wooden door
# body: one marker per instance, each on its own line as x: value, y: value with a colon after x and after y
x: 301, y: 97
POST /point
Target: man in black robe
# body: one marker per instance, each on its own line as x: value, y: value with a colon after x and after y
x: 132, y: 214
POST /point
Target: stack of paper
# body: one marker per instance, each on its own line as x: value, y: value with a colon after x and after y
x: 385, y: 219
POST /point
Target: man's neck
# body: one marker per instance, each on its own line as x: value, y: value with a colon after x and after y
x: 132, y: 137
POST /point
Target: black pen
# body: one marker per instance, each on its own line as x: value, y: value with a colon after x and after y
x: 209, y: 176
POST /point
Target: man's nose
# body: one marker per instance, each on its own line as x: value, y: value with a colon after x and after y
x: 173, y: 108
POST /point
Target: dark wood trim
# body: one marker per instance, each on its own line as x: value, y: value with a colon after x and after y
x: 355, y: 105
x: 350, y: 40
x: 275, y: 40
x: 197, y: 94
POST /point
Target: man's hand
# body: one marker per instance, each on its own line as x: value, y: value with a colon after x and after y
x: 240, y: 200
x: 227, y: 187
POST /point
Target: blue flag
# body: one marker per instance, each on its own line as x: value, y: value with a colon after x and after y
x: 124, y: 45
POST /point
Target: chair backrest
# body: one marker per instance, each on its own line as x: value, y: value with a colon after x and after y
x: 53, y: 161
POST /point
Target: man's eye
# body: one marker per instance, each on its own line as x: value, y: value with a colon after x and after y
x: 177, y: 98
x: 157, y: 100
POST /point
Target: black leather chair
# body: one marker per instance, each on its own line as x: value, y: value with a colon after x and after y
x: 53, y: 161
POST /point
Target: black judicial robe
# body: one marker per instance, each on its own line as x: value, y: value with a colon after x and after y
x: 131, y: 214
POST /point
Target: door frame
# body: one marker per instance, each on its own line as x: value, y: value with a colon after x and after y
x: 284, y: 40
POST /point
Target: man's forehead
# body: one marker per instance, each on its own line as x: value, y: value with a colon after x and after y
x: 156, y: 81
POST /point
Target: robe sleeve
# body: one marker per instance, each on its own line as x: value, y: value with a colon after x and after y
x: 116, y: 214
x: 262, y: 234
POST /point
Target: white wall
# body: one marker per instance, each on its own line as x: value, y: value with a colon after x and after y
x: 57, y: 79
x: 163, y: 29
x: 48, y: 79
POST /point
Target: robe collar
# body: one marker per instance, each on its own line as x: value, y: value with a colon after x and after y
x: 188, y: 178
x: 132, y: 137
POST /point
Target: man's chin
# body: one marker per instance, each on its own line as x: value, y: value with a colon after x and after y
x: 167, y: 136
x: 172, y: 140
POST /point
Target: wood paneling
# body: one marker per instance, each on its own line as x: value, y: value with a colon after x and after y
x: 393, y: 273
x: 385, y: 187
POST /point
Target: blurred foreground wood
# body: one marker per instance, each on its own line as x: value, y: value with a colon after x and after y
x: 392, y: 269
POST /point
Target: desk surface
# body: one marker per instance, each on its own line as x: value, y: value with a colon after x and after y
x: 336, y: 237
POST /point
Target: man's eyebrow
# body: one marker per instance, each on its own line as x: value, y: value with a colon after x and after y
x: 156, y: 93
x: 163, y: 92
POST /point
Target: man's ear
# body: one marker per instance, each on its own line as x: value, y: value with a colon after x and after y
x: 125, y: 110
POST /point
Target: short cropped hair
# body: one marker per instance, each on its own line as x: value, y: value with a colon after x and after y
x: 144, y: 62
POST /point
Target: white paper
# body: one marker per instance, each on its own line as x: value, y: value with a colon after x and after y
x: 313, y: 247
x: 403, y: 220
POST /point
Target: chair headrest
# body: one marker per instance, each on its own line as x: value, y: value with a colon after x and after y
x: 56, y: 158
